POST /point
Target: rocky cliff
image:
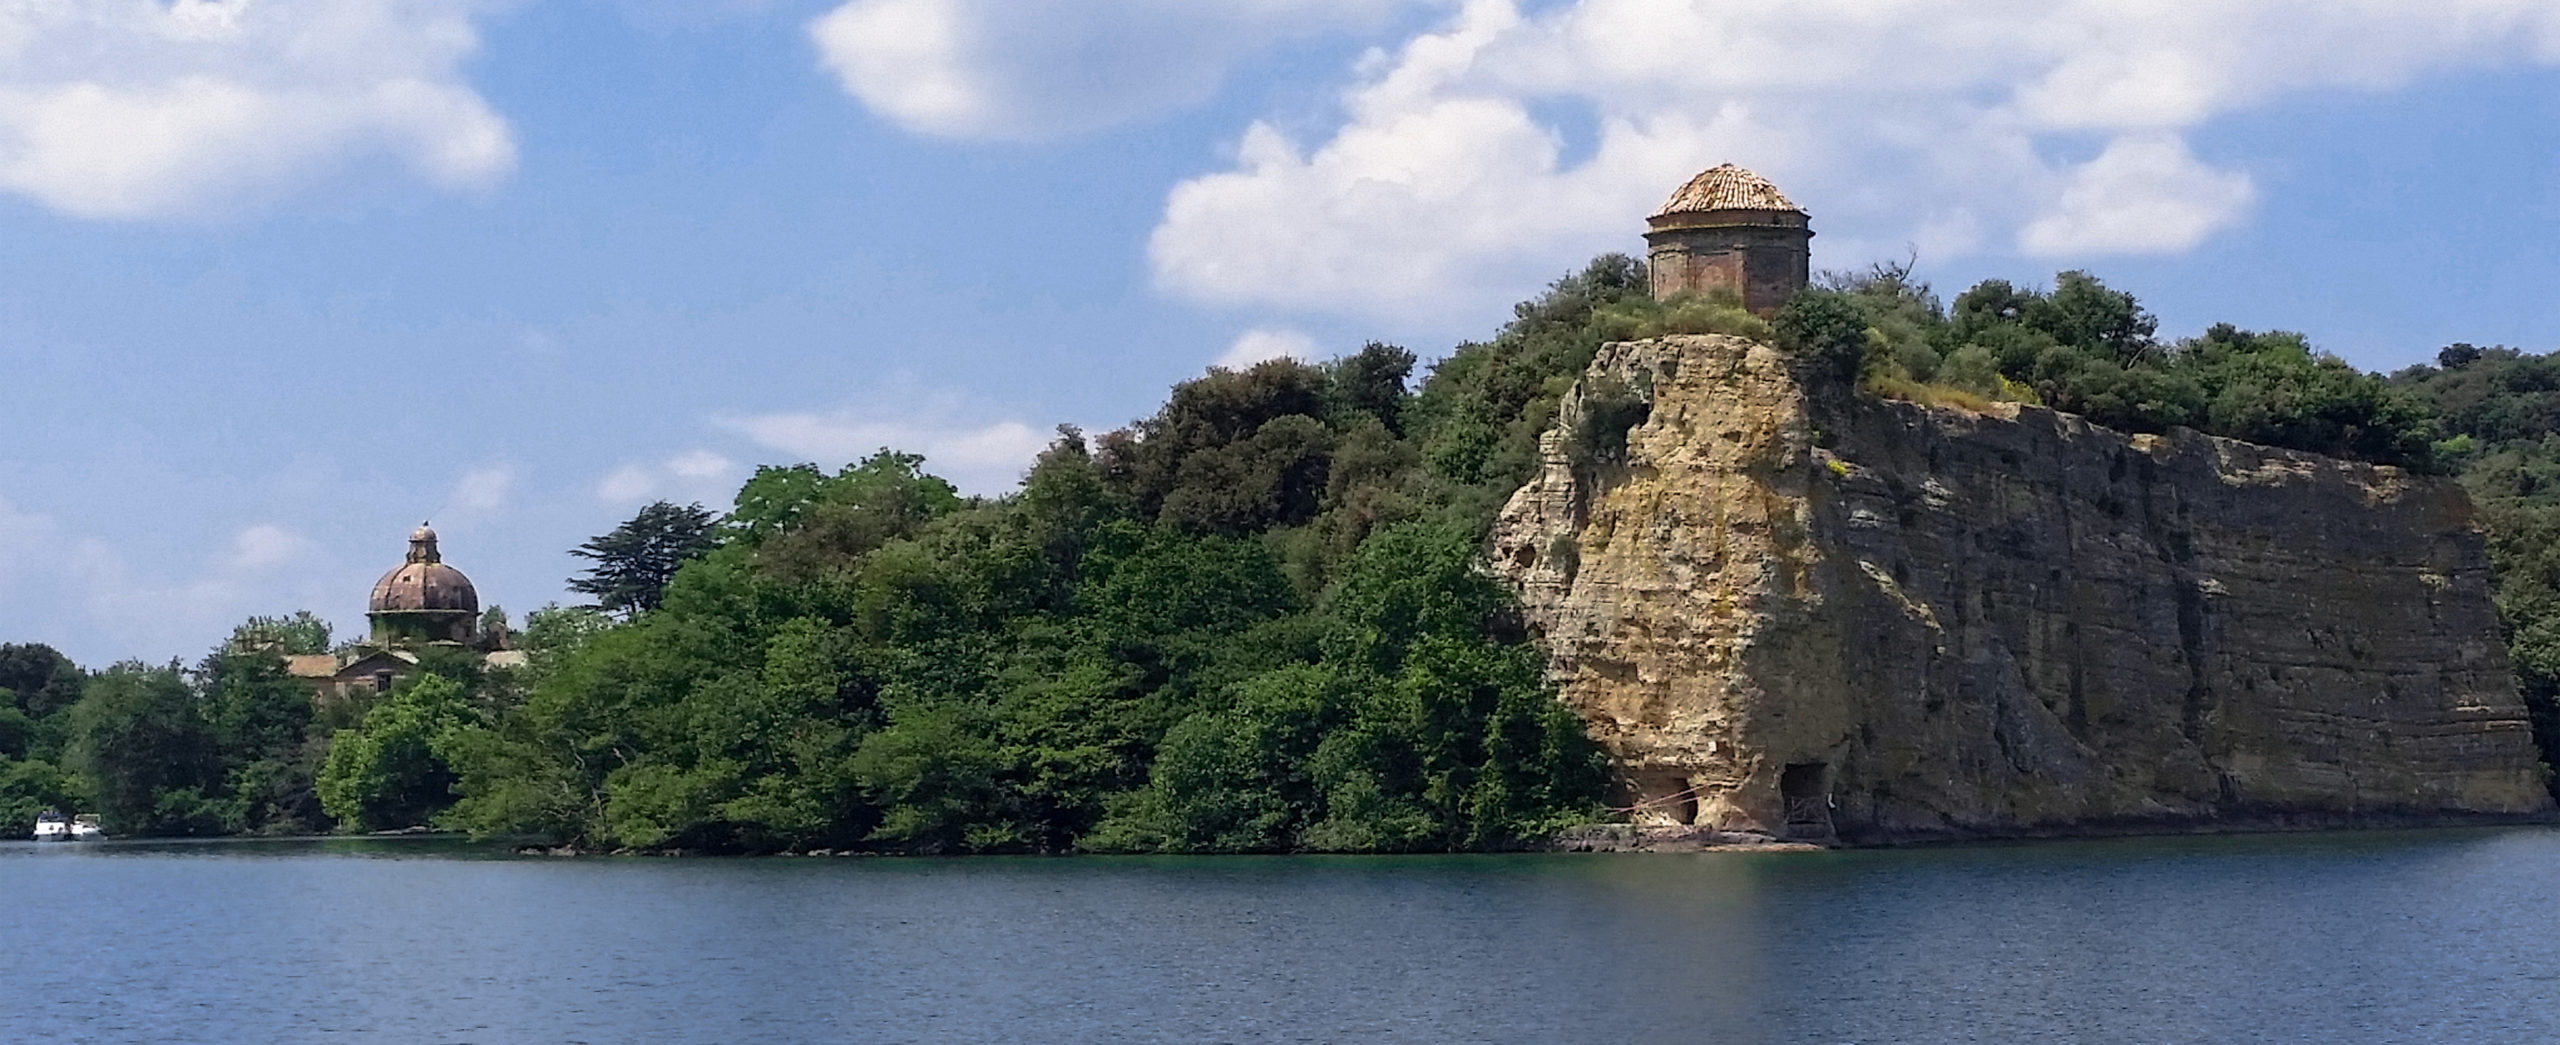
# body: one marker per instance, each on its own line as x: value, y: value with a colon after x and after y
x: 1795, y: 611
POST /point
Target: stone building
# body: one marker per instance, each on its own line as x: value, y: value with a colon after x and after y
x: 1728, y: 231
x: 422, y: 603
x: 423, y: 600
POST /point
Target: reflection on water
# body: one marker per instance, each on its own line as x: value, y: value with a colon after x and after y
x: 2418, y: 936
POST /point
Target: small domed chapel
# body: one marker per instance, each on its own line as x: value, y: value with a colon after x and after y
x: 1729, y: 232
x: 422, y: 603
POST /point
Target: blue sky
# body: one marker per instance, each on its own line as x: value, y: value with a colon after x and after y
x: 280, y: 280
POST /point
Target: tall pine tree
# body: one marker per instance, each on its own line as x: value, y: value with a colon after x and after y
x: 634, y: 563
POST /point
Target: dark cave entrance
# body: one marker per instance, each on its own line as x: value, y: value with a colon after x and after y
x: 1666, y: 795
x: 1805, y: 788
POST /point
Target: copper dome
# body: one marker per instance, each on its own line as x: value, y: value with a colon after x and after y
x: 424, y: 583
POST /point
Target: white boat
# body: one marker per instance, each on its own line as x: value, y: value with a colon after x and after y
x: 86, y: 828
x: 52, y: 827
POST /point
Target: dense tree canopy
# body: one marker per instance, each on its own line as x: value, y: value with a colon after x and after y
x: 2092, y: 350
x: 1254, y: 620
x: 147, y: 751
x: 38, y: 679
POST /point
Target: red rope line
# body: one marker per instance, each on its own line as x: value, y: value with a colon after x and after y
x: 1689, y: 792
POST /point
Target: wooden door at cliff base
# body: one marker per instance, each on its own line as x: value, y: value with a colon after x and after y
x: 1805, y: 787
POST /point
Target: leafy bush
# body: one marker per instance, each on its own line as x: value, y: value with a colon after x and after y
x: 2091, y: 350
x: 1609, y: 410
x: 1635, y: 318
x: 1828, y: 326
x: 387, y: 772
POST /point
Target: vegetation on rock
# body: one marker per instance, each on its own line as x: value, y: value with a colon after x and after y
x: 2500, y: 412
x: 2085, y: 348
x: 1256, y: 620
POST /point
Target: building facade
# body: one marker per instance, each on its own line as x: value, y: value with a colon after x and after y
x: 421, y: 604
x: 1729, y: 232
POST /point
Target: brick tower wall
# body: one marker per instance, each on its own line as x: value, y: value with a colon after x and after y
x: 1762, y: 264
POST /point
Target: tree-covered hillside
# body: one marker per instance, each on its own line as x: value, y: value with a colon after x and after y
x: 1253, y: 621
x: 1256, y: 620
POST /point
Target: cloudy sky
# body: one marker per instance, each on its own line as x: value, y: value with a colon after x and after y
x: 280, y: 278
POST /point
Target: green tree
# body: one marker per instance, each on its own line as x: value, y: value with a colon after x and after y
x: 937, y: 777
x: 635, y: 561
x: 1370, y: 383
x: 1233, y: 778
x: 390, y: 771
x: 1129, y: 652
x: 30, y: 788
x: 301, y: 633
x: 1231, y: 452
x: 882, y: 498
x: 1828, y: 327
x: 40, y: 680
x: 261, y: 719
x: 150, y: 759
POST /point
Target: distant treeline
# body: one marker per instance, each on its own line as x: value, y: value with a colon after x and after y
x: 1257, y: 620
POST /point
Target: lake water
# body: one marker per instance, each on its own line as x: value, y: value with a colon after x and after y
x: 2416, y: 936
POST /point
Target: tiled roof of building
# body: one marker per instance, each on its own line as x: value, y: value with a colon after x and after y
x: 311, y: 665
x: 1726, y: 187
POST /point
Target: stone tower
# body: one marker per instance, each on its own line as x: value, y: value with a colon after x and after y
x: 423, y: 600
x: 1730, y: 230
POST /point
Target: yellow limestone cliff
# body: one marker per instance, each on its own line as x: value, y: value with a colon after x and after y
x: 1798, y: 612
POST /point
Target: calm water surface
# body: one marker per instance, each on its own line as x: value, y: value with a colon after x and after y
x: 2421, y: 936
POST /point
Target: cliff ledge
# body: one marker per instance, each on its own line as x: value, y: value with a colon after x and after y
x: 1806, y: 614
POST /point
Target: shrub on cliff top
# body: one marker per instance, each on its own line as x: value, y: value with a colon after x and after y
x: 2089, y: 349
x: 1828, y: 327
x: 1636, y: 318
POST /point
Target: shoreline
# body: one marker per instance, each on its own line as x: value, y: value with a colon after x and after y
x: 1589, y: 838
x: 1631, y: 838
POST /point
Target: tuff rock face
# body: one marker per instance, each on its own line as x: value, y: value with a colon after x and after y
x: 1801, y: 613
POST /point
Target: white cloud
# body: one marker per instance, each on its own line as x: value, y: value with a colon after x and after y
x: 537, y: 341
x: 1035, y: 69
x: 264, y: 546
x: 976, y: 455
x: 694, y: 475
x: 138, y: 109
x: 2142, y: 194
x: 1451, y: 180
x: 626, y: 484
x: 86, y: 597
x: 1262, y: 343
x: 481, y: 491
x: 701, y: 464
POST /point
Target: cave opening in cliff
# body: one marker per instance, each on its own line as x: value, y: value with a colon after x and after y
x: 1805, y: 788
x: 1667, y: 796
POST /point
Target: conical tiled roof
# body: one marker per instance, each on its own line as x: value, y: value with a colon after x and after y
x: 1726, y: 187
